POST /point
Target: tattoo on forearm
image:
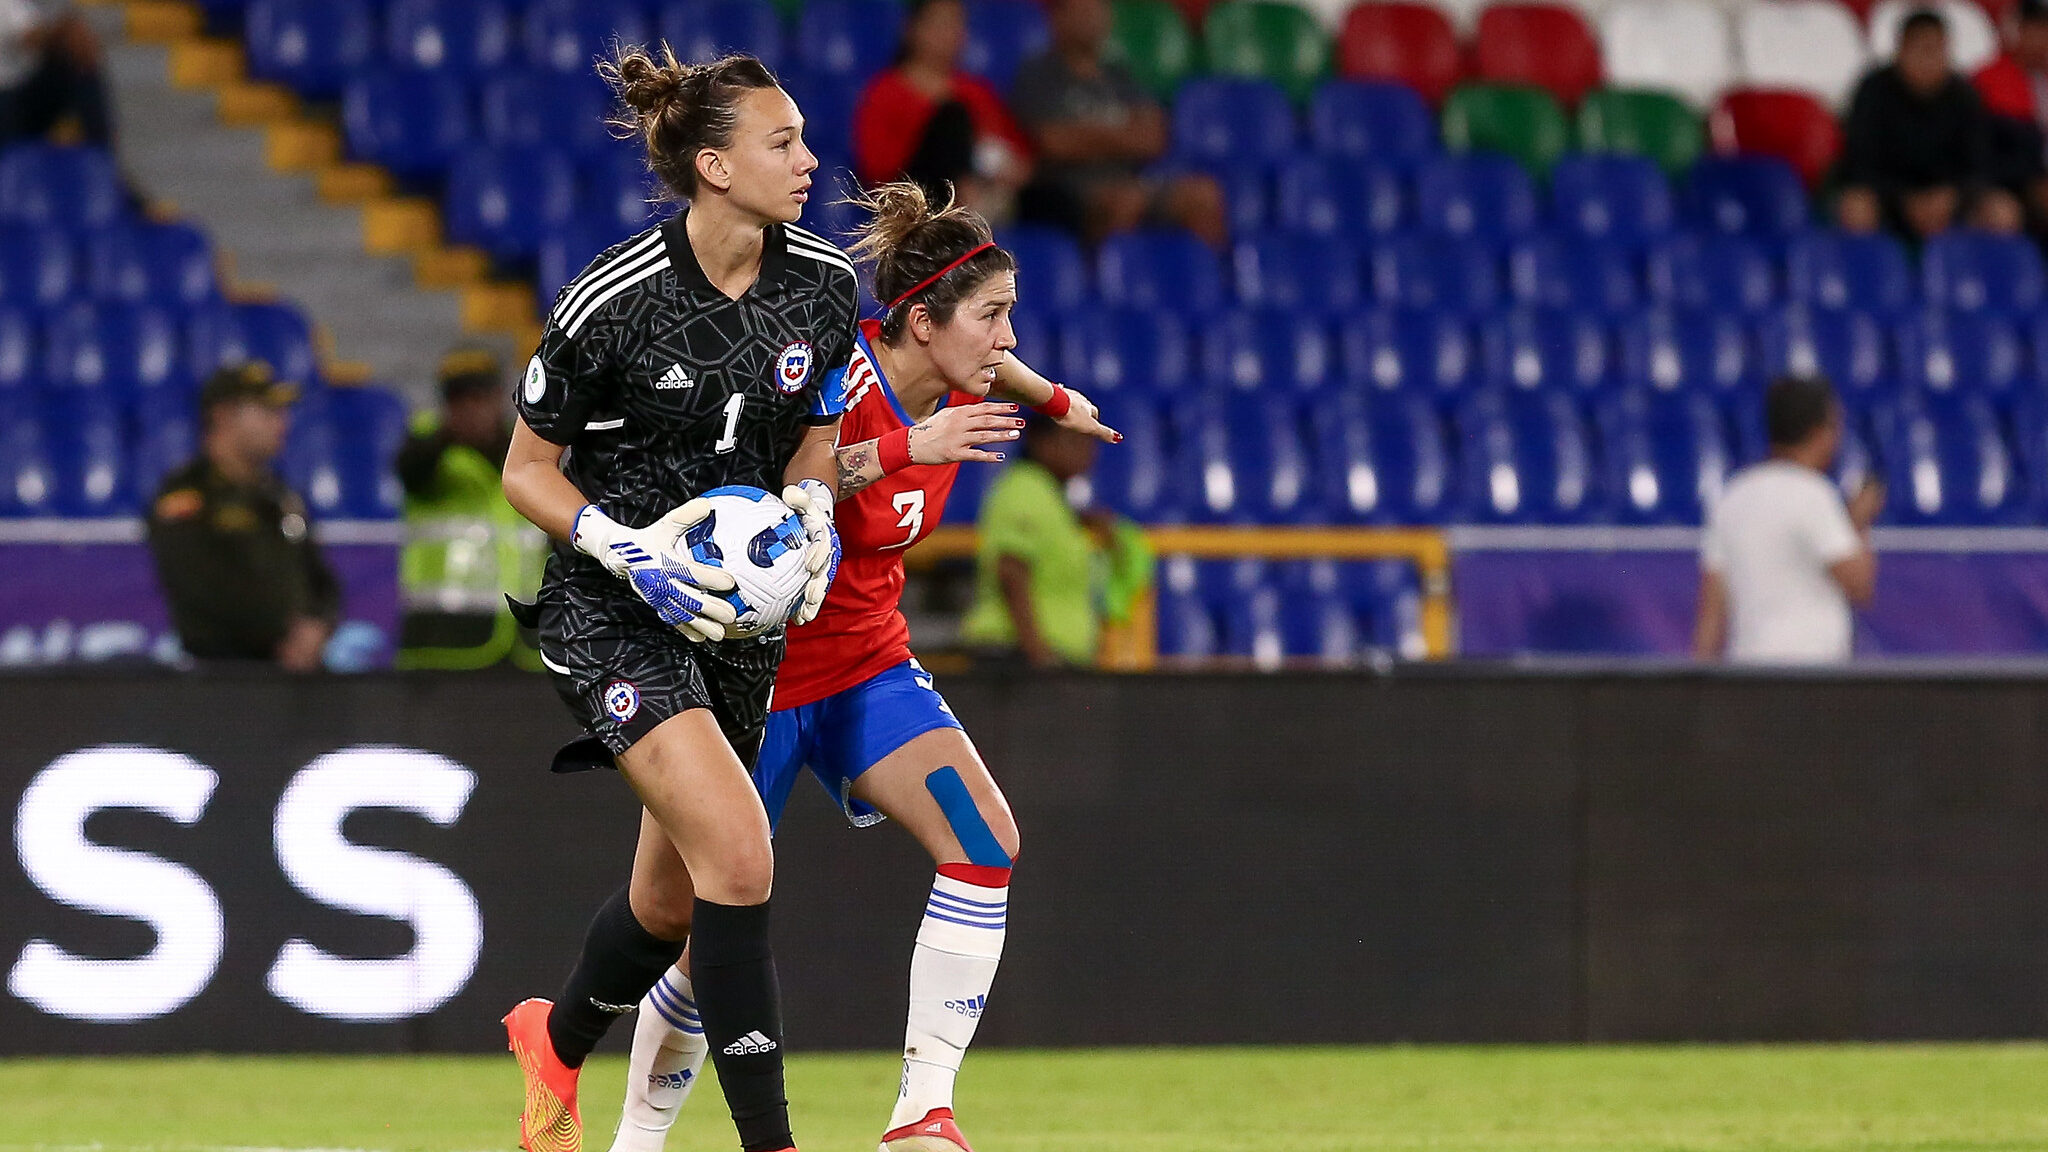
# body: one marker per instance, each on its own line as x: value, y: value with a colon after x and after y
x: 852, y: 462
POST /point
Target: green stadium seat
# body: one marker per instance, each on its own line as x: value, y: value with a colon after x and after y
x: 1152, y: 39
x: 1267, y: 39
x: 1515, y: 120
x: 1642, y: 122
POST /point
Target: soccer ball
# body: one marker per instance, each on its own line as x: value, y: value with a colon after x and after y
x: 760, y: 541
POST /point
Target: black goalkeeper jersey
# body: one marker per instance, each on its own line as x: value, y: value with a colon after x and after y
x: 662, y: 387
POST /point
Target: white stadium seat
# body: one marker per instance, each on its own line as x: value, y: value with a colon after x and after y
x: 1679, y: 45
x: 1972, y: 38
x: 1812, y: 45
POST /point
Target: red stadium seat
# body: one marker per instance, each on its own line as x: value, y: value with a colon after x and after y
x: 1541, y: 44
x: 1410, y: 43
x: 1793, y: 126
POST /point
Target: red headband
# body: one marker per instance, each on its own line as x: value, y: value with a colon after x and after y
x: 935, y: 277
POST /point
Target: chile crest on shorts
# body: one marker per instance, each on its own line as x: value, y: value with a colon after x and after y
x: 621, y: 700
x: 793, y: 367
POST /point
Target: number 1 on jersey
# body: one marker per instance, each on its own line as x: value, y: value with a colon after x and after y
x: 911, y: 504
x: 731, y: 439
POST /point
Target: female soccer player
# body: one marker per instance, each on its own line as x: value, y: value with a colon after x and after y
x: 852, y: 704
x: 707, y: 351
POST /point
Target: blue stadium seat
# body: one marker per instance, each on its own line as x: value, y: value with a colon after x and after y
x: 1247, y: 195
x: 1386, y: 595
x: 1663, y: 350
x: 1429, y: 354
x: 1273, y: 349
x: 504, y: 200
x: 1318, y: 275
x: 411, y: 123
x: 1187, y: 628
x: 1233, y: 121
x: 1160, y: 268
x: 1338, y: 195
x: 1037, y: 338
x: 1474, y: 194
x: 1847, y: 348
x: 19, y: 350
x: 1383, y: 459
x: 1371, y: 120
x: 1317, y: 621
x: 1135, y: 479
x: 28, y: 478
x: 1530, y: 350
x: 1572, y: 273
x: 123, y: 347
x: 1712, y: 271
x: 1979, y: 272
x: 38, y: 267
x: 63, y: 187
x: 232, y: 334
x: 465, y: 37
x: 568, y: 248
x: 620, y: 192
x: 1276, y: 470
x: 1126, y: 350
x: 1528, y: 459
x: 88, y: 447
x: 1758, y: 195
x: 1666, y: 454
x: 1967, y: 352
x: 536, y: 108
x: 704, y: 30
x: 1610, y: 196
x: 158, y: 263
x: 1052, y: 271
x: 849, y: 38
x: 569, y: 35
x: 370, y: 427
x: 311, y: 462
x: 1837, y: 270
x: 828, y: 101
x: 1253, y: 627
x: 166, y: 437
x: 1228, y: 589
x: 1001, y: 34
x: 312, y: 46
x: 1435, y: 273
x: 1949, y: 463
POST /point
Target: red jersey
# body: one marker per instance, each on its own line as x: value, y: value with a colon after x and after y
x: 860, y: 631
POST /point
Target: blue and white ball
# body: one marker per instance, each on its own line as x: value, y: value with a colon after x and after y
x: 760, y: 541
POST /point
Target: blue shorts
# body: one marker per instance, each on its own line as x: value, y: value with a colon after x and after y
x: 845, y: 734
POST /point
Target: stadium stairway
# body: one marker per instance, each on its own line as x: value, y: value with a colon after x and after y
x: 266, y: 181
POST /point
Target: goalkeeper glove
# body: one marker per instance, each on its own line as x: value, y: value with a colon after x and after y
x: 683, y: 593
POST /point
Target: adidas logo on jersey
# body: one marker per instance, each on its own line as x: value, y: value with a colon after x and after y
x: 752, y: 1044
x: 675, y: 377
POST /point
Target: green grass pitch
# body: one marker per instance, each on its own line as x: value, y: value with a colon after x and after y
x: 1867, y: 1098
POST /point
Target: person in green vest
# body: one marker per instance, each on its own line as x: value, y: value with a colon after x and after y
x: 465, y: 546
x: 1046, y: 575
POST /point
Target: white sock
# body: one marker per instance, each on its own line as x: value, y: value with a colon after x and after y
x: 959, y: 945
x: 668, y: 1053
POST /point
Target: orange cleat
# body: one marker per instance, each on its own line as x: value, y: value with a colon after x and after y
x: 550, y: 1122
x: 935, y: 1133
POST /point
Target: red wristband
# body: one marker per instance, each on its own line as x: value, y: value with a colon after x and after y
x: 1058, y: 405
x: 892, y: 451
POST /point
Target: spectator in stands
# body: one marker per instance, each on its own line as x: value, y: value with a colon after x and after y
x: 50, y: 71
x: 1096, y: 131
x: 2014, y: 89
x: 234, y: 548
x: 926, y: 120
x: 1917, y: 157
x: 1782, y: 559
x: 1048, y: 576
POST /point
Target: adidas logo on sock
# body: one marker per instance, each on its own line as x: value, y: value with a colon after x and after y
x: 675, y: 377
x: 968, y: 1008
x: 752, y: 1044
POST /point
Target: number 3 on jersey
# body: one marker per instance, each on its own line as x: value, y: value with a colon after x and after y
x: 731, y: 438
x: 911, y: 505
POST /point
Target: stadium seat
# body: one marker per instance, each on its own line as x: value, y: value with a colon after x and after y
x: 232, y: 334
x: 1966, y: 271
x: 1571, y: 274
x: 1621, y: 198
x: 1429, y: 354
x: 1299, y: 272
x: 88, y: 453
x: 1232, y: 121
x: 164, y: 263
x: 1547, y: 46
x: 1524, y: 123
x: 38, y: 267
x: 1383, y: 459
x: 1639, y: 122
x: 1475, y: 194
x: 504, y: 200
x: 1939, y: 355
x: 704, y: 30
x: 62, y: 187
x: 166, y: 437
x: 1252, y: 628
x: 1273, y: 350
x: 28, y: 479
x: 120, y: 347
x: 1317, y: 622
x: 1710, y: 270
x: 1452, y: 274
x: 1159, y: 268
x: 1838, y: 270
x: 411, y: 123
x: 1682, y: 46
x: 1338, y: 196
x: 1406, y: 43
x: 1663, y: 350
x: 1135, y: 483
x: 1845, y: 347
x: 19, y: 349
x: 1052, y: 271
x: 828, y: 101
x: 1667, y: 455
x: 1001, y: 34
x: 1269, y: 39
x: 1812, y: 45
x: 1386, y: 595
x: 568, y: 248
x: 1382, y: 121
x: 1949, y: 463
x: 1151, y: 38
x: 1241, y: 458
x: 465, y: 37
x: 1790, y: 125
x: 535, y: 108
x: 1126, y: 350
x: 311, y: 461
x: 569, y: 35
x: 1530, y: 350
x: 848, y: 38
x: 313, y: 46
x: 370, y: 427
x: 621, y: 196
x: 1754, y: 194
x: 1187, y: 628
x: 1527, y: 458
x: 1972, y: 35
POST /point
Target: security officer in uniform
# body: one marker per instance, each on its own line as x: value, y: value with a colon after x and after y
x: 234, y: 550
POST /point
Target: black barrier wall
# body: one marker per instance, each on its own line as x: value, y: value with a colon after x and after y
x: 383, y: 863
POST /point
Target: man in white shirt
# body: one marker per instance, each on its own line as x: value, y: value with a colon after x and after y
x: 1782, y: 559
x: 50, y: 70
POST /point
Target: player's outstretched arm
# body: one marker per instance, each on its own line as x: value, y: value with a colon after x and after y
x: 953, y: 435
x: 1016, y: 380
